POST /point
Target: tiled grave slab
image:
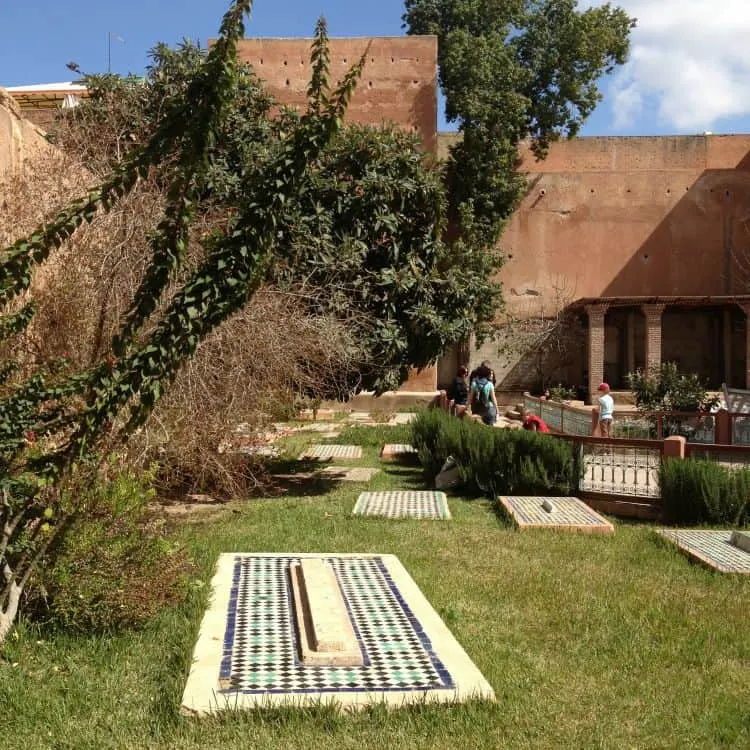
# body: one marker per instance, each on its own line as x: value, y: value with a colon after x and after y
x: 565, y: 514
x: 248, y: 655
x: 328, y: 452
x: 322, y: 427
x: 403, y: 504
x: 310, y: 415
x: 344, y: 474
x: 359, y: 416
x: 712, y: 548
x: 396, y: 451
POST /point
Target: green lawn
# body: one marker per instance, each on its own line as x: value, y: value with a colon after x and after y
x: 589, y: 642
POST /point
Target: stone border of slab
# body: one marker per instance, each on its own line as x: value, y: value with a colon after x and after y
x: 203, y: 694
x: 398, y: 452
x: 532, y: 512
x: 694, y: 544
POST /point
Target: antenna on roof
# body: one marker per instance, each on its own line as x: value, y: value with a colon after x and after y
x: 110, y: 35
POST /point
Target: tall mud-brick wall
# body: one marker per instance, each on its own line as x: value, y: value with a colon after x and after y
x: 399, y: 82
x: 625, y: 217
x: 398, y: 85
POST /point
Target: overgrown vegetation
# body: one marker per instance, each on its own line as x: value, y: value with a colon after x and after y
x: 117, y: 567
x: 512, y: 71
x: 696, y: 492
x: 494, y: 462
x: 55, y: 421
x: 666, y: 389
x: 363, y: 244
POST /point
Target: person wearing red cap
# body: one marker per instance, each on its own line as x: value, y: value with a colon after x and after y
x: 606, y: 410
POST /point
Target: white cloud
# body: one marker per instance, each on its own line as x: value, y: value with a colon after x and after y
x: 689, y: 64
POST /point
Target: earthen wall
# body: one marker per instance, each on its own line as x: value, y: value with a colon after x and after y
x: 399, y: 82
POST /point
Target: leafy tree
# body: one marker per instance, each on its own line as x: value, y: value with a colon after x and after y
x: 512, y: 70
x: 55, y: 424
x: 365, y: 237
x: 666, y: 389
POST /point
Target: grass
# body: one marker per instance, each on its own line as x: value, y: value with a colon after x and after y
x: 589, y: 642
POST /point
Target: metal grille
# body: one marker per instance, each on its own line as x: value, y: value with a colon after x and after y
x: 615, y: 470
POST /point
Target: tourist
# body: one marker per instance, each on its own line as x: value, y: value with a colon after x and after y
x: 458, y: 393
x: 488, y: 366
x: 532, y: 422
x: 482, y: 399
x: 606, y: 411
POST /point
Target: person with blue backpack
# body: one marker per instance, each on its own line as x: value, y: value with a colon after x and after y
x: 482, y: 399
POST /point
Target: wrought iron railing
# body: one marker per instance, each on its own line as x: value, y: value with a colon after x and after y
x: 628, y: 468
x: 694, y: 427
x: 729, y: 456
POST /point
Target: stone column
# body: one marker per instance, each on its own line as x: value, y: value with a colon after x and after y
x: 653, y: 314
x: 631, y: 342
x: 596, y: 315
x: 726, y: 329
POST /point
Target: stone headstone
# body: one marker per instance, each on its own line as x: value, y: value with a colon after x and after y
x: 326, y: 635
x: 741, y: 539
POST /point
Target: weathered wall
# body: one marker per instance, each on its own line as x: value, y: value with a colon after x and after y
x: 399, y: 83
x: 20, y: 140
x: 626, y: 216
x: 630, y: 216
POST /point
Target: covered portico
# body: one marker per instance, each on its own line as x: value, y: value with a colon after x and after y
x: 706, y: 335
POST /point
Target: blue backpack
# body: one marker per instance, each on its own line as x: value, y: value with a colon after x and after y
x: 481, y: 388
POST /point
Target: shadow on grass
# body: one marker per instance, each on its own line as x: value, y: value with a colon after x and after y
x: 300, y: 478
x: 407, y: 475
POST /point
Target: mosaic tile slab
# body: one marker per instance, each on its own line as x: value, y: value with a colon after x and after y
x: 712, y: 548
x: 403, y: 504
x: 568, y: 514
x: 328, y: 452
x: 345, y: 474
x: 395, y: 451
x: 247, y: 654
x: 322, y: 427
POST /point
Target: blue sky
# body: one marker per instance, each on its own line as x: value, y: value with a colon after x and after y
x: 689, y: 71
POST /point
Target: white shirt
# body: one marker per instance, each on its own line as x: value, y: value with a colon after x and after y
x: 606, y: 406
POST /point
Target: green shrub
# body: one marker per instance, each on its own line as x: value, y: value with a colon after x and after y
x: 116, y: 568
x: 562, y: 392
x: 696, y: 491
x: 664, y: 388
x: 427, y: 432
x: 494, y: 461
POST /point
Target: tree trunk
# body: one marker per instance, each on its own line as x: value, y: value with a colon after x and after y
x: 8, y: 615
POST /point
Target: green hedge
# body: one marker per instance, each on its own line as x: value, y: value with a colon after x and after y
x: 494, y: 461
x: 703, y: 492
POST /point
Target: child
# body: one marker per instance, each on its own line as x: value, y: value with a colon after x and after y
x: 606, y: 411
x: 534, y: 423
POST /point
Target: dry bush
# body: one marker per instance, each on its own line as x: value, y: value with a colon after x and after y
x: 258, y: 366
